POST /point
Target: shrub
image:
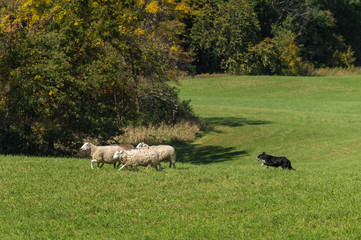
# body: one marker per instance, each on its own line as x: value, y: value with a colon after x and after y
x: 279, y: 55
x: 183, y: 131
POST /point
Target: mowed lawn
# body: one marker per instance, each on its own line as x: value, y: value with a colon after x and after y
x: 219, y: 190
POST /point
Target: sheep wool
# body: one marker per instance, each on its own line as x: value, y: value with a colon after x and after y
x: 101, y: 154
x: 138, y: 157
x: 124, y: 146
x: 166, y: 152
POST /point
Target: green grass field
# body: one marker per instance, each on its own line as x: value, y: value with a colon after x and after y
x: 219, y: 190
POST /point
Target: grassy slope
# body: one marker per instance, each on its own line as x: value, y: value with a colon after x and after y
x: 219, y: 190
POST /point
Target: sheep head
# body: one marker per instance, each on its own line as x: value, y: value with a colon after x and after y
x: 142, y: 145
x: 86, y: 146
x: 118, y: 154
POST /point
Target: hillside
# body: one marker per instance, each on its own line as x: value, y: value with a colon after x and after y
x: 305, y: 118
x: 219, y: 190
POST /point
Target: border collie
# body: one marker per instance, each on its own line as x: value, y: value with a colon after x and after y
x: 271, y: 161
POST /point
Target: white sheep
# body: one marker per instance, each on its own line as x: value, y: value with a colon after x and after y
x: 87, y: 152
x: 166, y: 152
x: 138, y: 157
x: 124, y: 146
x: 101, y: 154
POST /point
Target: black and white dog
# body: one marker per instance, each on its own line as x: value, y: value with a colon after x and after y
x: 271, y: 161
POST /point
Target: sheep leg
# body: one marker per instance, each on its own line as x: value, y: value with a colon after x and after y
x: 160, y: 167
x: 118, y: 165
x: 136, y: 169
x: 121, y: 168
x: 100, y: 165
x: 91, y: 163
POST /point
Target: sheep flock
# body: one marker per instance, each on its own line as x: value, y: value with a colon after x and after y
x: 143, y: 155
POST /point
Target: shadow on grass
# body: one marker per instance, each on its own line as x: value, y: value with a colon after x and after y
x: 198, y: 154
x: 231, y: 122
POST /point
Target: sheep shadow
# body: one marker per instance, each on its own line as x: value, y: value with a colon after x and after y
x: 199, y: 154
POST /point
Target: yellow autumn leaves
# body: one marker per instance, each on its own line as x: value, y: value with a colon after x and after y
x: 154, y: 6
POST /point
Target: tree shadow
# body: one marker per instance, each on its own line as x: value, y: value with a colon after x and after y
x: 234, y: 121
x: 231, y: 122
x: 198, y: 154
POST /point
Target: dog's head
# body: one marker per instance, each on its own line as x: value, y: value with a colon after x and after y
x: 262, y: 156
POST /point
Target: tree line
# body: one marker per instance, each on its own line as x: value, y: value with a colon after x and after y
x: 72, y: 69
x: 289, y: 37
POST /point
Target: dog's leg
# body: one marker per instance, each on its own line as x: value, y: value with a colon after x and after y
x: 264, y: 165
x: 263, y: 162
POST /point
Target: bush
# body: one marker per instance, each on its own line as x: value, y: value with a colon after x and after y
x: 279, y: 55
x: 160, y: 103
x: 183, y: 131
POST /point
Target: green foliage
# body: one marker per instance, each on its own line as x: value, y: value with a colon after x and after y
x: 221, y: 33
x: 160, y: 103
x: 76, y: 69
x: 324, y: 29
x: 347, y: 16
x: 344, y: 59
x: 267, y: 16
x: 314, y: 37
x: 315, y: 26
x: 279, y: 55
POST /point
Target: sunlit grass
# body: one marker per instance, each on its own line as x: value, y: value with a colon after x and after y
x: 219, y: 190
